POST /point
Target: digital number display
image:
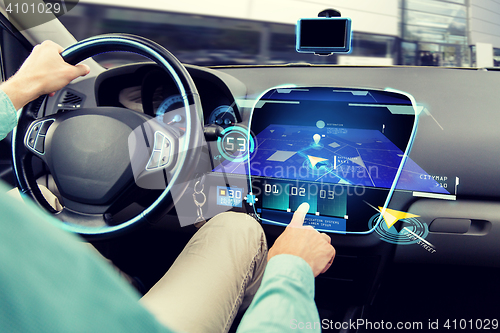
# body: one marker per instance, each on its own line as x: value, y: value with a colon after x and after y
x: 235, y: 144
x: 323, y: 199
x: 229, y: 196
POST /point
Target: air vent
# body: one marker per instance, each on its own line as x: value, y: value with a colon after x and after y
x: 70, y: 100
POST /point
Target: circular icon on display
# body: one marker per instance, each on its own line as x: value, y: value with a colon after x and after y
x: 412, y: 230
x: 235, y: 144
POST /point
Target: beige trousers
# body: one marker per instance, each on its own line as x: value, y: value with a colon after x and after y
x: 218, y: 272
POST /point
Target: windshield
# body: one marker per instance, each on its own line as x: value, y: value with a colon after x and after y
x: 452, y: 33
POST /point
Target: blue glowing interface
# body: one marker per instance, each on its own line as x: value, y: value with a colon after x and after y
x: 337, y: 149
x: 338, y: 156
x: 318, y: 222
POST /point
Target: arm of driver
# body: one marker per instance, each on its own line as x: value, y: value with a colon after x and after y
x: 43, y: 72
x: 304, y: 242
x: 8, y: 115
x: 285, y: 299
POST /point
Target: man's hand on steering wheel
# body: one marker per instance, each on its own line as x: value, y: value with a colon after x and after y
x: 43, y: 72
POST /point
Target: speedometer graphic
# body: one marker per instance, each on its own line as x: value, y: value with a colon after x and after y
x: 171, y: 103
x: 223, y: 116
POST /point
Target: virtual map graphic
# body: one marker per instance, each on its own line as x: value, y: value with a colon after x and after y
x: 332, y: 155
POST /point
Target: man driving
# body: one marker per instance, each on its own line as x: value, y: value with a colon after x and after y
x: 50, y: 281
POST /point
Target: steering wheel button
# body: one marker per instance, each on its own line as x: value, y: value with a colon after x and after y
x: 164, y: 158
x: 159, y: 140
x: 45, y: 127
x: 32, y: 138
x: 40, y: 142
x: 154, y: 160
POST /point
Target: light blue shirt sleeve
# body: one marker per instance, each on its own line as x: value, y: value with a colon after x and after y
x: 51, y: 282
x: 8, y: 115
x: 285, y: 299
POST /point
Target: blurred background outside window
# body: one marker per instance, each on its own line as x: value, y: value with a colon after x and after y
x: 452, y: 33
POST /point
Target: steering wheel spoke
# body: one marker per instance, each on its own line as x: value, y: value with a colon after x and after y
x: 83, y: 220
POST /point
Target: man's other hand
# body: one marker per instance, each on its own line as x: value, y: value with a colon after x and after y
x: 305, y: 242
x: 43, y: 72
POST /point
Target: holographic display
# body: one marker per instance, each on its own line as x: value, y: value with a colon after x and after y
x: 341, y: 150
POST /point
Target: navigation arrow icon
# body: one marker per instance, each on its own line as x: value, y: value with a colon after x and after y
x: 315, y: 160
x: 392, y: 216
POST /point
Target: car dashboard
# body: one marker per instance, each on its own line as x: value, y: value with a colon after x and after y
x: 455, y: 144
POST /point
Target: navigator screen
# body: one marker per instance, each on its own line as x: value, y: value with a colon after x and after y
x: 340, y: 150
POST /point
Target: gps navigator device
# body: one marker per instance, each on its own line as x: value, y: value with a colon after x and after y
x: 341, y: 150
x: 344, y: 151
x: 324, y: 35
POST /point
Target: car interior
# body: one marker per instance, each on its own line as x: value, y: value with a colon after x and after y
x: 398, y: 164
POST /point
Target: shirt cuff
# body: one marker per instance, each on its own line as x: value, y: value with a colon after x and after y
x: 8, y: 115
x: 293, y: 267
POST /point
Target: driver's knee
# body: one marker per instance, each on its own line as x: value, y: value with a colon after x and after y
x: 239, y: 234
x: 237, y: 220
x: 238, y: 227
x: 242, y: 237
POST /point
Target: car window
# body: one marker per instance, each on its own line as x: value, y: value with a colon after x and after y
x: 13, y: 50
x: 406, y: 32
x: 393, y: 32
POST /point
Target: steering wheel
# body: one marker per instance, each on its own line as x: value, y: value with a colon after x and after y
x: 100, y: 156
